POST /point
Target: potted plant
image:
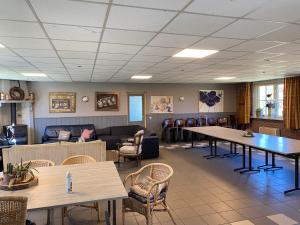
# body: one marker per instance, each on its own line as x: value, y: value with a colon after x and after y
x: 18, y: 174
x: 258, y: 112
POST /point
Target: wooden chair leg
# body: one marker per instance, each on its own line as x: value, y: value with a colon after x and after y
x: 169, y: 212
x: 123, y: 215
x: 63, y: 216
x: 97, y: 206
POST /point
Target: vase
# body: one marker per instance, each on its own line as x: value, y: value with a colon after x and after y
x: 269, y: 112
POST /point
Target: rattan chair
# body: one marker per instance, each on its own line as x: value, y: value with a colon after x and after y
x: 39, y: 163
x: 132, y: 150
x: 13, y: 210
x: 156, y: 194
x: 80, y: 159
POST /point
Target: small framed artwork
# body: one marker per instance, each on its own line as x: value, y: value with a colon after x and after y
x: 107, y: 101
x: 161, y: 104
x: 62, y: 102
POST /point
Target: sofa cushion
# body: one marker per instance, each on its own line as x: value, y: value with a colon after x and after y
x: 64, y: 135
x: 103, y: 132
x: 111, y: 141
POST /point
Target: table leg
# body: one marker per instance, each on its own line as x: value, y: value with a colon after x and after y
x: 244, y: 160
x: 250, y: 168
x: 50, y: 214
x: 273, y: 165
x: 213, y: 149
x: 114, y: 213
x: 233, y: 151
x: 296, y: 184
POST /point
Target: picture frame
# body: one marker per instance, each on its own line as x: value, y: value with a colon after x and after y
x: 62, y: 102
x: 107, y: 101
x: 162, y: 104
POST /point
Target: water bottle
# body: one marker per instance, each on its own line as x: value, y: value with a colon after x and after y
x: 69, y: 182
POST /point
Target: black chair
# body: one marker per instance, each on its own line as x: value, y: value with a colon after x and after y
x: 167, y: 129
x: 232, y: 121
x: 179, y: 124
x: 201, y: 121
x: 212, y: 121
x: 190, y: 122
x: 223, y: 122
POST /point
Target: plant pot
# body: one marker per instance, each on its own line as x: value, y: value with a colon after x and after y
x: 6, y: 179
x: 258, y: 114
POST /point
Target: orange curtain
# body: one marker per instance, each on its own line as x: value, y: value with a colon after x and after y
x: 291, y: 103
x: 245, y: 97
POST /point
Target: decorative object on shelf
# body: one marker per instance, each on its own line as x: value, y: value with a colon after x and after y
x: 270, y: 104
x: 31, y: 96
x: 6, y: 97
x: 2, y: 96
x: 62, y: 102
x: 162, y: 104
x: 107, y: 101
x: 258, y: 112
x: 85, y: 99
x: 248, y: 133
x: 181, y: 98
x: 211, y: 100
x: 16, y: 93
x: 18, y: 177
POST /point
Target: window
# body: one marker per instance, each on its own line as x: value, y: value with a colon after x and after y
x: 276, y: 92
x: 135, y: 108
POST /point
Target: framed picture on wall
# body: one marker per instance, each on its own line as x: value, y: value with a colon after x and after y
x: 211, y: 101
x: 62, y: 102
x: 107, y: 101
x: 162, y: 104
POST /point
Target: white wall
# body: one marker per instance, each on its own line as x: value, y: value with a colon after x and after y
x: 189, y: 91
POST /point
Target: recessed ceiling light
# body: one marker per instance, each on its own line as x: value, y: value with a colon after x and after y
x: 195, y: 53
x: 224, y: 78
x: 2, y: 46
x: 34, y: 74
x: 141, y: 77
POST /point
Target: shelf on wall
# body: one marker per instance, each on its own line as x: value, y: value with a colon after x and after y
x: 15, y: 101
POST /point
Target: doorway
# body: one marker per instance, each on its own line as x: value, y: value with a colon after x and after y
x: 136, y: 109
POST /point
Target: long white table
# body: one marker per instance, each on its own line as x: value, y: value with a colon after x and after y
x: 286, y: 147
x: 92, y: 182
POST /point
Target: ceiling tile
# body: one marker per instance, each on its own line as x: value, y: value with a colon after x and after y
x: 247, y: 29
x: 114, y: 56
x: 78, y: 61
x: 127, y: 37
x: 35, y: 52
x: 137, y: 19
x: 173, y: 40
x: 226, y: 55
x: 75, y: 33
x: 117, y: 48
x: 286, y: 48
x: 148, y: 58
x: 237, y: 8
x: 42, y: 60
x: 159, y: 51
x: 20, y: 29
x: 288, y: 33
x: 278, y: 10
x: 254, y: 45
x: 26, y: 43
x: 156, y: 4
x: 216, y: 43
x: 77, y: 55
x: 6, y: 52
x: 15, y: 10
x: 70, y: 12
x: 111, y: 62
x: 75, y: 45
x: 196, y: 24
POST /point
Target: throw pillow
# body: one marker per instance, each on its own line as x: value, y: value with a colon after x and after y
x: 86, y: 134
x: 64, y: 135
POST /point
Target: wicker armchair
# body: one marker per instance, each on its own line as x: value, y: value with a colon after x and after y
x: 13, y: 210
x: 155, y: 196
x: 132, y: 150
x: 80, y: 159
x: 40, y: 163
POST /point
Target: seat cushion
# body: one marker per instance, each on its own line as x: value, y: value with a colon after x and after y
x: 143, y: 200
x: 127, y: 149
x: 64, y: 135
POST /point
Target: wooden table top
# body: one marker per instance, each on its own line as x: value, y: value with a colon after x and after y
x: 280, y: 145
x: 91, y: 182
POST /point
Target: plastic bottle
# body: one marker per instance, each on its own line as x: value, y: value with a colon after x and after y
x: 68, y: 182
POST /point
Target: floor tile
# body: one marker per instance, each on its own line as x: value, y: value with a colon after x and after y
x: 214, y: 219
x: 282, y: 219
x: 244, y: 222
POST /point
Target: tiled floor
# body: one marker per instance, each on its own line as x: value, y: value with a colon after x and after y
x: 209, y: 192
